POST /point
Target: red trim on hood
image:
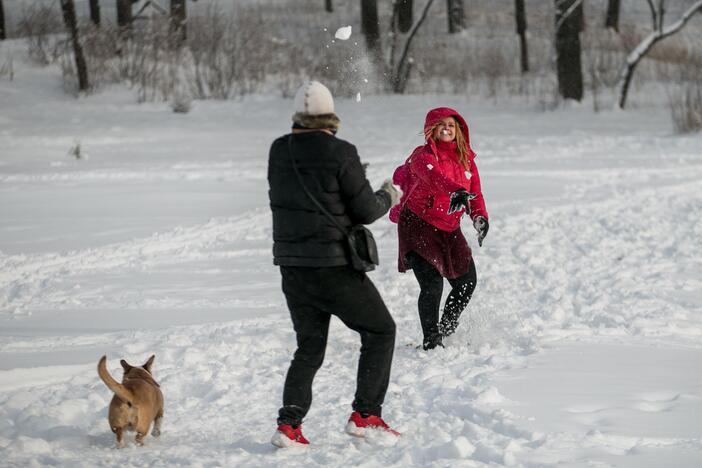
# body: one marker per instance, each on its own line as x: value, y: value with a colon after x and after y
x: 435, y: 115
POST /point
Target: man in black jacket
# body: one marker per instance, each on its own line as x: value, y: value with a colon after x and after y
x: 318, y: 281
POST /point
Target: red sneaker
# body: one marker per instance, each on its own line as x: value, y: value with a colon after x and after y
x: 288, y: 436
x: 358, y: 425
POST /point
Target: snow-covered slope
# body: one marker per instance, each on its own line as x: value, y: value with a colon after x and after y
x: 582, y: 346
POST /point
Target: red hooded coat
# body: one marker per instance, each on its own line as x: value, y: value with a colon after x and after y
x: 433, y: 172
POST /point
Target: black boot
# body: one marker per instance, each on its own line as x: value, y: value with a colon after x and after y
x: 432, y: 341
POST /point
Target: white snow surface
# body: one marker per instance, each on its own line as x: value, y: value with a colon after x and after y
x: 582, y: 345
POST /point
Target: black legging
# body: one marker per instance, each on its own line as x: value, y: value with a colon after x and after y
x: 431, y: 285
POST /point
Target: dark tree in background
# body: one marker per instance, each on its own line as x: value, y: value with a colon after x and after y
x: 568, y: 65
x: 370, y: 27
x: 3, y: 34
x: 124, y: 14
x: 520, y: 15
x: 456, y: 16
x: 612, y: 18
x: 179, y: 17
x: 404, y: 15
x: 579, y: 13
x: 95, y: 12
x: 68, y: 9
x: 400, y: 69
x: 328, y: 6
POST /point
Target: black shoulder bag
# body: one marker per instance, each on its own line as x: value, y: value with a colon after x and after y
x: 360, y: 245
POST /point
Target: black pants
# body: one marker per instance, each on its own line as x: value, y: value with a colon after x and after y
x: 313, y: 296
x: 431, y: 285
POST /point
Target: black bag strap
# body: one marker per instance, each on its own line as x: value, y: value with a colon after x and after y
x: 309, y: 194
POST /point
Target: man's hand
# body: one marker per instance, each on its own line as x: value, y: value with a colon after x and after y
x: 395, y: 193
x: 460, y: 199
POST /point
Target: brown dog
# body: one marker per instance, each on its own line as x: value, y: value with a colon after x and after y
x: 137, y: 402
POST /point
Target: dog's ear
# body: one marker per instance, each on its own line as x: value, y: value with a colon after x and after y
x: 125, y: 365
x: 149, y: 363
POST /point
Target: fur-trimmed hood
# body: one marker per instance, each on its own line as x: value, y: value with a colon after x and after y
x: 320, y: 121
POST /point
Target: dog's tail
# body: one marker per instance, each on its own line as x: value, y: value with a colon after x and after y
x: 120, y: 390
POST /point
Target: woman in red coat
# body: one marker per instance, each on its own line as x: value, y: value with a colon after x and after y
x: 440, y: 184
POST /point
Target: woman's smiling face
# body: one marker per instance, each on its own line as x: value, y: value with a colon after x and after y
x: 446, y: 130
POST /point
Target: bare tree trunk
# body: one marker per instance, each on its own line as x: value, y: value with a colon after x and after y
x: 580, y: 15
x: 370, y: 27
x: 568, y: 65
x: 659, y: 33
x: 69, y: 18
x: 124, y: 15
x: 520, y: 15
x: 179, y: 18
x: 456, y: 16
x: 612, y: 18
x: 95, y: 12
x: 3, y: 33
x: 625, y: 80
x: 401, y: 72
x: 404, y: 15
x: 328, y: 6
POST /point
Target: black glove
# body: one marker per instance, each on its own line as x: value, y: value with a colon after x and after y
x: 459, y: 199
x: 481, y: 225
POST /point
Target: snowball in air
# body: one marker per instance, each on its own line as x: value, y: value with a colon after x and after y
x: 343, y: 33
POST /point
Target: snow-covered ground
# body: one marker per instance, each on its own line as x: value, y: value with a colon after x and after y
x: 582, y: 346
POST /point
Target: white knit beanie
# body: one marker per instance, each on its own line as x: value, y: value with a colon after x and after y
x: 314, y: 108
x: 313, y: 98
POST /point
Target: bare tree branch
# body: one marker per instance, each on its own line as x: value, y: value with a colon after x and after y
x: 659, y: 33
x: 654, y: 14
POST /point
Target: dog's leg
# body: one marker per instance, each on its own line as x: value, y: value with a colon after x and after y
x: 157, y: 424
x: 119, y: 432
x: 142, y: 428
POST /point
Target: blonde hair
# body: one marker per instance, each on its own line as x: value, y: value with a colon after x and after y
x: 461, y: 143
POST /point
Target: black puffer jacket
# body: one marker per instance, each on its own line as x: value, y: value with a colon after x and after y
x: 332, y: 172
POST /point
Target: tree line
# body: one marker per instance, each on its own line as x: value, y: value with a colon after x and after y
x: 569, y: 24
x: 394, y: 58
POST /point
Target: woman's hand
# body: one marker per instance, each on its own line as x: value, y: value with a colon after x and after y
x: 481, y: 225
x: 460, y: 199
